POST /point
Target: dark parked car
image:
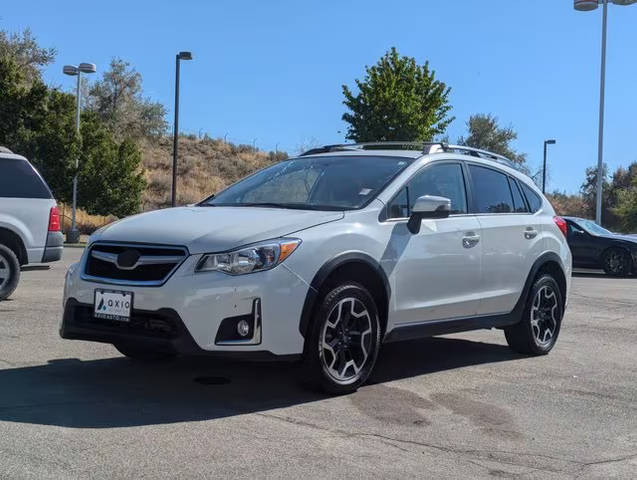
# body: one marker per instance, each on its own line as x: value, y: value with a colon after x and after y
x: 595, y: 247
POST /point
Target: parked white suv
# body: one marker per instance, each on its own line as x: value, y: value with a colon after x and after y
x: 29, y: 220
x: 325, y: 257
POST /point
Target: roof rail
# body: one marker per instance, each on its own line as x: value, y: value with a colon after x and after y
x: 477, y: 152
x: 4, y: 150
x: 424, y: 147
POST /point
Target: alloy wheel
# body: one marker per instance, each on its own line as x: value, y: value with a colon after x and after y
x: 544, y: 315
x: 615, y: 262
x: 346, y: 340
x: 5, y: 272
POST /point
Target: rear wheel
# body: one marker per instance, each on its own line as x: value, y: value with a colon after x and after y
x: 617, y: 262
x: 344, y: 339
x: 9, y: 272
x: 144, y: 354
x: 539, y: 328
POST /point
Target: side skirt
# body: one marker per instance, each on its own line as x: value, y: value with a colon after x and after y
x: 441, y: 327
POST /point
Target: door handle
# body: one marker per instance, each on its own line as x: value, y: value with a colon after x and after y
x: 470, y: 239
x: 530, y: 233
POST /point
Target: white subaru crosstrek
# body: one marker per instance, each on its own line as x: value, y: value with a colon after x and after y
x: 325, y: 257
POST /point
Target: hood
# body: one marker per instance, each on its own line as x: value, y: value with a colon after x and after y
x: 212, y: 229
x: 623, y: 237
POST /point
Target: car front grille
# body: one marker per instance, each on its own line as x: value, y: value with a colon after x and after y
x: 132, y: 264
x: 147, y: 324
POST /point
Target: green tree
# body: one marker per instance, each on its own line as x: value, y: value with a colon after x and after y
x: 588, y: 190
x: 39, y: 123
x: 623, y: 197
x: 485, y: 133
x: 24, y: 50
x: 626, y: 208
x: 397, y: 100
x: 111, y: 179
x: 118, y: 101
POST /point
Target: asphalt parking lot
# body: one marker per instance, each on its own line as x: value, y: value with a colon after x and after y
x: 460, y: 406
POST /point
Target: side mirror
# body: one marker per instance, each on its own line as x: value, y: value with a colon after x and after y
x: 428, y: 206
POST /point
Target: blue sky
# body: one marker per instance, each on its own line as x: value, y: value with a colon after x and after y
x: 271, y: 71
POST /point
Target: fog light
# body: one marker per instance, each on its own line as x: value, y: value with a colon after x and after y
x: 243, y: 328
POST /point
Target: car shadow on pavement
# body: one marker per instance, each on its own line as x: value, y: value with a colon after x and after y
x: 117, y: 392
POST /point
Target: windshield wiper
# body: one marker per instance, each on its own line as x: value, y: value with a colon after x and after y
x: 295, y: 206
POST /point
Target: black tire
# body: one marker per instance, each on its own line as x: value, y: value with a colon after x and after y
x: 524, y: 336
x: 9, y: 272
x: 351, y: 343
x: 617, y: 262
x: 143, y: 354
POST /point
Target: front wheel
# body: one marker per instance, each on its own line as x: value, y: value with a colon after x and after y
x: 344, y: 339
x: 537, y: 332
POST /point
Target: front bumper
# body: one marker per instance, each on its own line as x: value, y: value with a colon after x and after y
x: 159, y: 331
x: 185, y: 313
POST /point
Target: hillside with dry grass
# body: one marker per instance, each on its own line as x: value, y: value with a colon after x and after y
x: 205, y: 166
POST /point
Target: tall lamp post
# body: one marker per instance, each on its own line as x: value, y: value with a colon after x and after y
x: 73, y: 235
x: 180, y: 56
x: 584, y: 6
x: 546, y: 142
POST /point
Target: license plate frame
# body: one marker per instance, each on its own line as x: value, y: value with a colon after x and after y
x: 111, y: 309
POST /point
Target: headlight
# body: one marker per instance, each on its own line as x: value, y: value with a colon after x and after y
x: 256, y: 258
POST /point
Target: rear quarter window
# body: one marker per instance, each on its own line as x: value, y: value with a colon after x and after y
x: 18, y: 179
x: 534, y: 200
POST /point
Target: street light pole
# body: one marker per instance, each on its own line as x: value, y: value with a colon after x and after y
x: 600, y: 138
x: 585, y: 6
x: 73, y: 235
x: 180, y: 56
x: 546, y: 142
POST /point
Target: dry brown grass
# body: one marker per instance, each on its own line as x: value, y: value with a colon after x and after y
x: 86, y: 223
x: 205, y: 166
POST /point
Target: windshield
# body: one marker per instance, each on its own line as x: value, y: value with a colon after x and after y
x: 314, y: 183
x: 592, y: 227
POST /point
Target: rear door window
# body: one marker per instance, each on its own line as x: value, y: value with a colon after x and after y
x: 491, y: 192
x: 18, y: 179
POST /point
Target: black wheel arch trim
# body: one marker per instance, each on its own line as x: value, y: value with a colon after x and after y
x: 324, y: 272
x: 14, y: 241
x: 537, y: 265
x: 441, y: 327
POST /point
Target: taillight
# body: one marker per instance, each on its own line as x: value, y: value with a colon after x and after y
x: 561, y: 224
x: 54, y: 220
